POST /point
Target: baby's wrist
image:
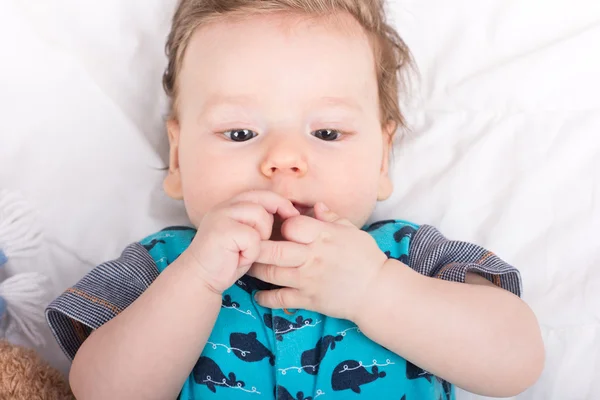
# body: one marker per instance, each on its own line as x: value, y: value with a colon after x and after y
x: 384, y: 293
x: 197, y: 273
x: 368, y: 299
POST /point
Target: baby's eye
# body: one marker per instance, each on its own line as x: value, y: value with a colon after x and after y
x: 240, y: 135
x: 327, y: 134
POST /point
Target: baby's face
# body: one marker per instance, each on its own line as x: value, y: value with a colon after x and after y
x: 283, y: 104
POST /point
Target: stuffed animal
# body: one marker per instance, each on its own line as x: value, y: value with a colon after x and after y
x: 23, y: 374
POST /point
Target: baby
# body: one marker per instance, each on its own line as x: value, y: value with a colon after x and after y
x: 282, y: 122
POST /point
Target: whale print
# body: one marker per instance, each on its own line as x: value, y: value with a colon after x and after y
x: 282, y: 326
x: 414, y: 372
x: 207, y: 372
x: 251, y: 349
x: 153, y: 243
x: 282, y: 393
x: 228, y: 303
x: 405, y: 232
x: 256, y: 346
x: 403, y: 258
x: 352, y: 375
x: 311, y: 359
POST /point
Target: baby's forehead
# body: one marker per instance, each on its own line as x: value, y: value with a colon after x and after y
x: 281, y: 53
x: 287, y: 23
x: 335, y: 34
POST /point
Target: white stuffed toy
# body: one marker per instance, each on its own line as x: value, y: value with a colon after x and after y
x: 23, y: 298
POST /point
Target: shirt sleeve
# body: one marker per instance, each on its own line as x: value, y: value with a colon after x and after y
x: 434, y: 255
x: 100, y: 296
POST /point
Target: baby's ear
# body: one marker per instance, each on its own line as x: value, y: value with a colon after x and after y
x: 172, y: 183
x: 386, y: 187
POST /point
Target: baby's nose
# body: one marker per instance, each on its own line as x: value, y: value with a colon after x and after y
x: 272, y: 170
x: 284, y: 161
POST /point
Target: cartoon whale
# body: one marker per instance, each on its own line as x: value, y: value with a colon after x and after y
x: 282, y: 326
x: 227, y: 302
x: 282, y: 393
x: 351, y: 375
x: 311, y: 359
x: 414, y: 372
x: 153, y: 243
x: 252, y: 349
x: 403, y: 258
x: 207, y: 372
x: 406, y: 231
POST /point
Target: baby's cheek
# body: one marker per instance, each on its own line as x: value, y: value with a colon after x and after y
x: 193, y: 216
x: 360, y: 207
x: 195, y: 208
x: 360, y: 219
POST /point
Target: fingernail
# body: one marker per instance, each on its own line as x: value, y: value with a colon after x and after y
x: 324, y: 207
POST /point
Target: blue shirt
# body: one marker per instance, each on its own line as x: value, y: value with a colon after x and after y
x: 256, y: 352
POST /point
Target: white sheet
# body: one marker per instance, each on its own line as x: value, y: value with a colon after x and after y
x: 505, y: 149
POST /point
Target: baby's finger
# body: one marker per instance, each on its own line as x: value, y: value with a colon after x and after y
x: 281, y: 298
x: 283, y: 253
x: 323, y: 213
x: 253, y: 215
x: 302, y: 229
x: 271, y: 201
x: 244, y: 242
x: 280, y: 276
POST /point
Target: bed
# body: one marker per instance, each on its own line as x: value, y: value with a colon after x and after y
x: 504, y: 148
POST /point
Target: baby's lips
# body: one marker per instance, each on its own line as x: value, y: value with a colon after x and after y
x: 304, y: 209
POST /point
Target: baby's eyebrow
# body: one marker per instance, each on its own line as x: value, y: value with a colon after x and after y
x: 220, y: 106
x: 340, y: 102
x: 229, y: 100
x: 249, y: 101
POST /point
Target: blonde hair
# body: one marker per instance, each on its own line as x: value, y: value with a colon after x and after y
x: 392, y: 56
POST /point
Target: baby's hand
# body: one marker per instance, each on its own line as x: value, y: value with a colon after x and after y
x: 229, y: 237
x: 327, y: 265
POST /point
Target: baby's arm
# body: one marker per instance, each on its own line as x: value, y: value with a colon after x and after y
x: 147, y: 337
x: 149, y: 349
x: 480, y: 337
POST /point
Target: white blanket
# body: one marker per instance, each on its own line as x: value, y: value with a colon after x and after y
x: 505, y: 149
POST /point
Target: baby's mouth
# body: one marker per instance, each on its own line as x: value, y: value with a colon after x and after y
x: 276, y: 231
x: 304, y: 209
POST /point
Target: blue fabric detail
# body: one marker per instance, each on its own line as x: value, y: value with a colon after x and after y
x: 2, y: 306
x: 165, y: 246
x: 3, y: 258
x: 255, y: 352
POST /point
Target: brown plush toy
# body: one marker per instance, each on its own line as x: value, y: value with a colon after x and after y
x: 25, y: 376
